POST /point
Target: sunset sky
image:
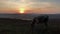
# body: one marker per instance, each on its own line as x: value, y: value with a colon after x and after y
x: 30, y: 6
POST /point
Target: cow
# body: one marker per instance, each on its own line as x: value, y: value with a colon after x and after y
x: 40, y: 20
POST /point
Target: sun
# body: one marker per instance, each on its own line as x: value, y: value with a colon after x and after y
x: 21, y: 10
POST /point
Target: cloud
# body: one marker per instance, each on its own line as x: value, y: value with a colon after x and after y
x: 40, y: 5
x: 29, y: 3
x: 8, y: 4
x: 36, y: 5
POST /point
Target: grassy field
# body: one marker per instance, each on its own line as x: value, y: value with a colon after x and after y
x: 17, y: 26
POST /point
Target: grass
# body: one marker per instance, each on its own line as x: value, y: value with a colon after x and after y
x: 24, y: 27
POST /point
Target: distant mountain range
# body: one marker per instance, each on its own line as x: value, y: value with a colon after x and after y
x: 28, y: 16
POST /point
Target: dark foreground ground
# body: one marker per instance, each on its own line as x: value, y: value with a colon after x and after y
x: 18, y: 26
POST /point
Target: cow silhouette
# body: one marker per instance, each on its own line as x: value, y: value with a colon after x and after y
x: 40, y: 20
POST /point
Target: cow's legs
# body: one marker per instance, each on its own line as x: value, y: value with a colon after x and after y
x: 46, y: 29
x: 46, y: 24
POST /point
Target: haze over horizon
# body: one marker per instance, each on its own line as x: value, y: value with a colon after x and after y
x: 30, y: 6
